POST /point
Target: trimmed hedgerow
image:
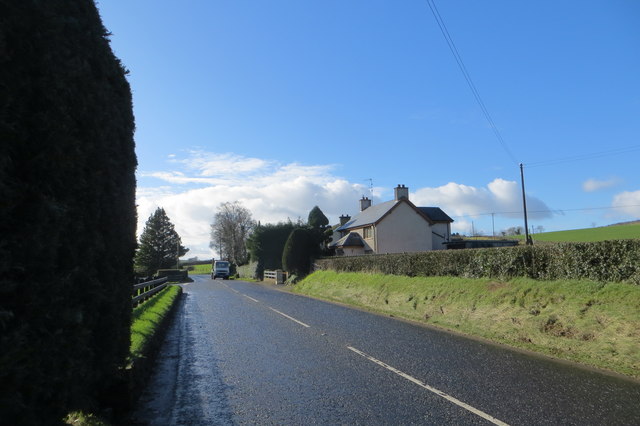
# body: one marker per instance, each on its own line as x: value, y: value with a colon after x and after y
x: 68, y: 220
x: 616, y: 260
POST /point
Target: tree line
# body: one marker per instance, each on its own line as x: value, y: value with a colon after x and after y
x: 236, y: 237
x: 284, y: 245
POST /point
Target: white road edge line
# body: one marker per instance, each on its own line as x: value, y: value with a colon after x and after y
x: 291, y: 318
x: 431, y: 389
x: 251, y: 298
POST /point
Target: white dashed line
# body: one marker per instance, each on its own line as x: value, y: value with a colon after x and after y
x: 274, y: 310
x: 431, y: 389
x: 291, y: 318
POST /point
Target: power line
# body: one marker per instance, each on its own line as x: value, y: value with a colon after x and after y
x: 467, y: 76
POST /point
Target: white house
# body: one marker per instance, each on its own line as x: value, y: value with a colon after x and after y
x: 395, y: 226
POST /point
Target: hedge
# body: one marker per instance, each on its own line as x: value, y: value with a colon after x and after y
x: 174, y: 275
x: 615, y: 260
x: 68, y: 219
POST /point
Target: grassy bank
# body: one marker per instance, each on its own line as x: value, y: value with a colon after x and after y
x: 148, y: 317
x: 588, y: 322
x: 148, y: 323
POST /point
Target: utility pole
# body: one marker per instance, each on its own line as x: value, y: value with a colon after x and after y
x: 524, y: 204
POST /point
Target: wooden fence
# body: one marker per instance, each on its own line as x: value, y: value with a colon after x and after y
x: 145, y: 290
x: 278, y: 276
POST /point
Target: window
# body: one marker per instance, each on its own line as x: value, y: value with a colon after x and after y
x: 367, y: 232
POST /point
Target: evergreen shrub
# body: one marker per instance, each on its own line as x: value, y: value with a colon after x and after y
x: 614, y: 260
x: 299, y: 252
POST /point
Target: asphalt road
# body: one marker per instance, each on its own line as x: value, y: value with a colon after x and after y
x: 243, y: 353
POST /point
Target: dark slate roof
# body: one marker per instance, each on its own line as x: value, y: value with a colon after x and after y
x: 368, y: 216
x: 352, y: 239
x: 435, y: 214
x: 374, y: 213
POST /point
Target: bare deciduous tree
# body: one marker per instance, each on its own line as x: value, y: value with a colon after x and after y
x: 230, y: 229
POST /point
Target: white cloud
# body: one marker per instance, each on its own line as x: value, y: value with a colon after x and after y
x: 227, y: 164
x: 591, y: 185
x: 276, y: 192
x: 628, y: 202
x: 501, y: 197
x: 272, y: 193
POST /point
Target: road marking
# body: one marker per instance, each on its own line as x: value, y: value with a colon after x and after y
x: 291, y: 318
x: 251, y: 298
x: 431, y: 389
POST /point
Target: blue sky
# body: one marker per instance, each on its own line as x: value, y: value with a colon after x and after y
x: 285, y: 104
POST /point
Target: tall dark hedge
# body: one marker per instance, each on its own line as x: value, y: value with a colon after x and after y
x: 67, y: 216
x: 615, y: 260
x: 299, y: 251
x: 266, y: 245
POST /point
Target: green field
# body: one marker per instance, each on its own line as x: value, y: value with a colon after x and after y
x: 603, y: 233
x: 200, y: 269
x: 593, y: 323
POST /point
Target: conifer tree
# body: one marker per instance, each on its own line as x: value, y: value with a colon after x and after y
x: 320, y: 229
x: 299, y: 251
x: 160, y: 245
x: 317, y: 219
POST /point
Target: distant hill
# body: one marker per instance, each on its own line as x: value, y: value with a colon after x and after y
x: 626, y: 231
x: 631, y: 222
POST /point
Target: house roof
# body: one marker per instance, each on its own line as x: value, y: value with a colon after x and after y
x: 352, y: 239
x: 376, y: 212
x: 435, y: 214
x: 368, y: 216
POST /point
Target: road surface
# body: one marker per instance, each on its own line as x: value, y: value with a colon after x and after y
x: 243, y: 353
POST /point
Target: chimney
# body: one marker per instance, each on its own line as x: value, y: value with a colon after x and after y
x: 365, y: 203
x: 400, y: 192
x: 344, y: 219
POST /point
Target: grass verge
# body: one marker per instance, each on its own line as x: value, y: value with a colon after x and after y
x: 596, y: 324
x: 148, y: 317
x: 80, y: 418
x: 149, y: 322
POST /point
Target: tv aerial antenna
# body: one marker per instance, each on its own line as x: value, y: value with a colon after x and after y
x: 370, y: 180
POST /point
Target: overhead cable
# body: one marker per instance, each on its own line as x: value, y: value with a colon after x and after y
x: 467, y: 76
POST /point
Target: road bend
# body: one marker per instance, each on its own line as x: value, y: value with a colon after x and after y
x: 243, y: 353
